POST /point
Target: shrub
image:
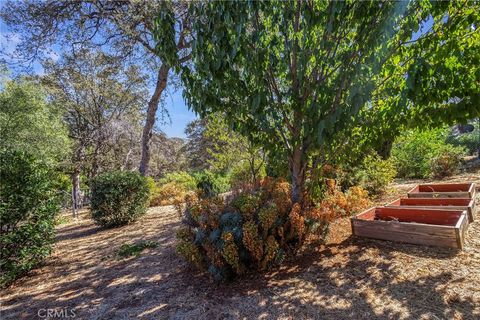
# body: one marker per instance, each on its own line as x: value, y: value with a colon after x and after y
x: 470, y: 141
x: 339, y: 204
x: 28, y: 204
x: 181, y: 178
x: 414, y: 151
x: 241, y: 176
x: 212, y: 184
x: 118, y: 197
x: 446, y: 161
x: 171, y: 188
x: 253, y: 231
x: 168, y: 194
x: 375, y: 174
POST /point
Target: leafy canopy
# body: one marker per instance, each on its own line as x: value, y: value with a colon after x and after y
x: 292, y: 75
x: 29, y: 123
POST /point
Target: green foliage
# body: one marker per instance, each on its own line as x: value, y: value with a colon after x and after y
x: 253, y: 231
x: 375, y: 174
x: 29, y: 123
x: 171, y: 188
x: 167, y: 194
x: 28, y: 205
x: 470, y: 141
x: 182, y: 178
x: 135, y: 249
x: 247, y: 173
x: 257, y: 63
x: 211, y: 184
x: 118, y: 198
x: 446, y: 161
x: 422, y: 154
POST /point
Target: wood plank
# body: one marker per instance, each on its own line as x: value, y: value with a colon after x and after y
x: 444, y: 236
x: 439, y: 195
x: 430, y: 240
x: 448, y: 190
x: 445, y: 187
x: 437, y: 203
x: 412, y: 214
x: 460, y: 230
x: 406, y: 227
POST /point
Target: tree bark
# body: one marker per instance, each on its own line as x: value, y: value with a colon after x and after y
x: 75, y: 192
x: 298, y: 166
x: 151, y: 115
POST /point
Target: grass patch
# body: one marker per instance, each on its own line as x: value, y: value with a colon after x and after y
x: 62, y: 219
x: 134, y: 249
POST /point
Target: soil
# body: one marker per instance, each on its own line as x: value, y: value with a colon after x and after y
x: 346, y: 277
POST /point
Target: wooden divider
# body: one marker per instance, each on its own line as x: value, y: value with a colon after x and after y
x: 437, y: 203
x: 444, y: 228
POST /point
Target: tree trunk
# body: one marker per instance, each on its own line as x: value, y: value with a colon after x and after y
x: 75, y: 192
x: 385, y: 149
x: 478, y: 155
x: 298, y: 165
x: 151, y: 115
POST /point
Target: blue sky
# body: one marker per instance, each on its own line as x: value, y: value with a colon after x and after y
x: 174, y: 102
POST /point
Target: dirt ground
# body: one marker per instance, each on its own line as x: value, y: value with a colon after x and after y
x: 347, y: 277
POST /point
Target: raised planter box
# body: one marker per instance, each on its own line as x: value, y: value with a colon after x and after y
x: 451, y: 190
x: 437, y: 203
x: 443, y: 228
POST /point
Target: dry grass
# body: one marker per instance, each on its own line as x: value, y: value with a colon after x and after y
x: 346, y: 278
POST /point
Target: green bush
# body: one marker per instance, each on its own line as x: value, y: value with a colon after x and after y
x: 181, y: 178
x: 28, y: 205
x: 212, y: 184
x: 414, y: 152
x: 253, y: 232
x: 375, y: 174
x: 470, y: 141
x: 446, y: 161
x: 241, y: 174
x: 118, y: 197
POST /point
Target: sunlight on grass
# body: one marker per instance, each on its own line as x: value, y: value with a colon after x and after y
x: 135, y: 249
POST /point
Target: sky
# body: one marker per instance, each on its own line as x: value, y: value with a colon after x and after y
x: 180, y: 116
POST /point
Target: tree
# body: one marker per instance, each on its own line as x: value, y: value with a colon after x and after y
x: 212, y: 145
x: 31, y: 124
x: 229, y: 150
x: 197, y: 145
x: 123, y: 28
x: 97, y: 94
x: 168, y: 155
x: 292, y: 75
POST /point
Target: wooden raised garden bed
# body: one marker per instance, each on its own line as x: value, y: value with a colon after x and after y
x: 443, y: 228
x: 437, y: 203
x: 452, y: 190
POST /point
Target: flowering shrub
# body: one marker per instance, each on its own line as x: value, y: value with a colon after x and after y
x: 253, y: 231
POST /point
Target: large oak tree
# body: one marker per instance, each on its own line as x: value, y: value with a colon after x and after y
x: 123, y: 28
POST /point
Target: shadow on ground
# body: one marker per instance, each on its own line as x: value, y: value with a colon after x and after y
x: 353, y: 278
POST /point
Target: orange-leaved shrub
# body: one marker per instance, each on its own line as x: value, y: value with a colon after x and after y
x: 254, y: 230
x: 343, y: 204
x: 167, y: 194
